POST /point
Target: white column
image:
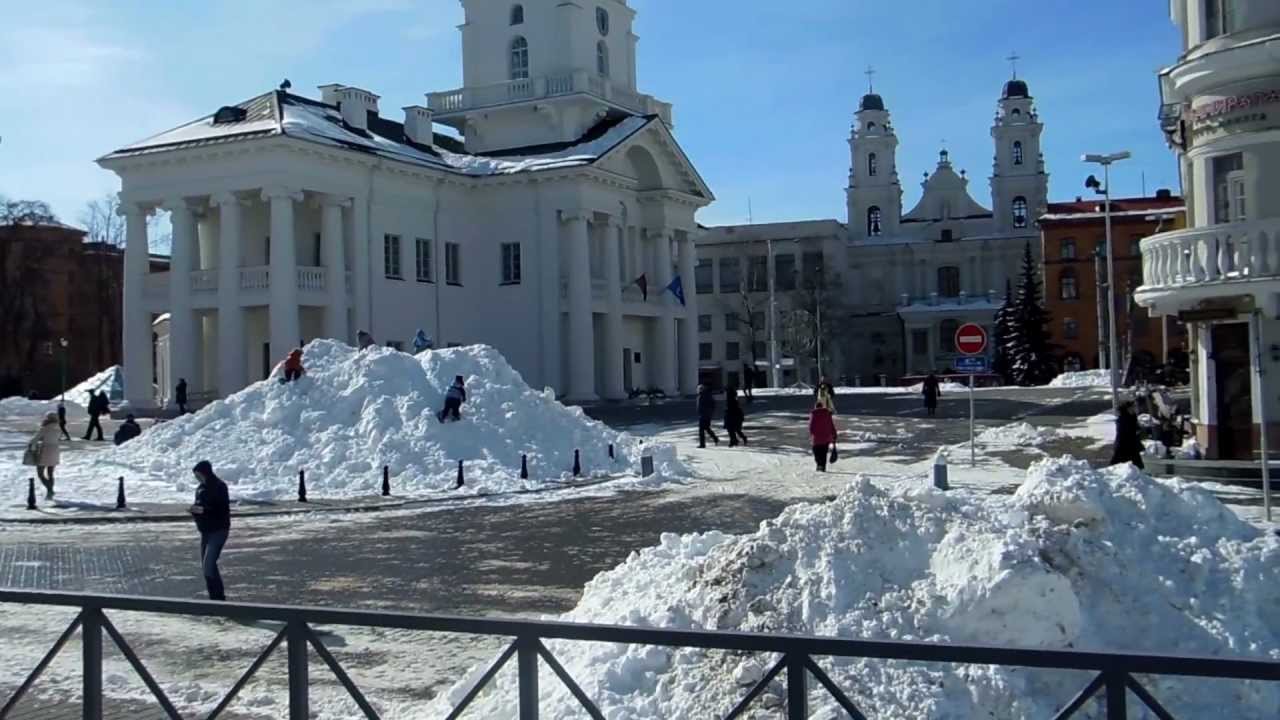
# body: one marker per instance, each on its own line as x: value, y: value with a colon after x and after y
x: 582, y: 350
x: 285, y: 330
x: 137, y: 348
x: 233, y: 372
x: 360, y: 253
x: 611, y: 346
x: 689, y: 329
x: 665, y: 352
x: 182, y: 319
x: 335, y: 263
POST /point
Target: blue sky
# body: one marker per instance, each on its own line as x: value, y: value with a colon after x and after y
x: 764, y: 91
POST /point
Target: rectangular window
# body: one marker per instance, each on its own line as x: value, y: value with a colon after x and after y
x: 453, y: 263
x: 784, y: 270
x: 1070, y: 329
x: 510, y: 263
x: 730, y: 275
x: 811, y: 262
x: 757, y: 321
x: 758, y: 273
x: 704, y: 323
x: 1067, y: 249
x: 732, y: 352
x: 758, y: 350
x: 702, y: 277
x: 704, y: 351
x: 731, y: 322
x: 422, y: 254
x: 317, y: 256
x: 1228, y: 188
x: 920, y: 342
x: 1219, y: 18
x: 949, y: 281
x: 391, y: 256
x: 266, y: 250
x: 1135, y: 245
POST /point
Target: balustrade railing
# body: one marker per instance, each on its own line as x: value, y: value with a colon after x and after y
x: 547, y: 86
x: 311, y: 278
x: 795, y: 657
x: 255, y: 278
x: 1212, y: 254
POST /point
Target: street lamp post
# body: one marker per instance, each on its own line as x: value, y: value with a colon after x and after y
x: 774, y: 360
x: 62, y: 343
x: 1105, y: 189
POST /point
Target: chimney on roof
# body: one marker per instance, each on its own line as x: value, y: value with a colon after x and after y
x: 329, y: 93
x: 356, y: 104
x: 418, y: 127
x: 1164, y: 193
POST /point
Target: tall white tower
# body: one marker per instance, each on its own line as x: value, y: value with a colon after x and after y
x: 874, y: 194
x: 543, y: 71
x: 1019, y: 184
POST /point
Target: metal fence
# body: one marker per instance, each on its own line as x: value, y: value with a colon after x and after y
x: 1114, y: 679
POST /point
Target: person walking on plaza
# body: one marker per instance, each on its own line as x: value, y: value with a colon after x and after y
x: 932, y: 391
x: 43, y: 452
x: 180, y: 396
x: 1128, y: 447
x: 421, y: 343
x: 293, y: 369
x: 734, y: 417
x: 62, y: 420
x: 748, y: 381
x: 453, y: 399
x: 822, y: 433
x: 706, y: 411
x: 98, y: 406
x: 128, y: 430
x: 212, y: 513
x: 826, y: 393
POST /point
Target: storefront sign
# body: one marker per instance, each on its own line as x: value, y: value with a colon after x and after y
x: 1232, y: 104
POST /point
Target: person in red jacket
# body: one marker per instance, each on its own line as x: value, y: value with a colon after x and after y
x: 293, y: 366
x: 822, y: 432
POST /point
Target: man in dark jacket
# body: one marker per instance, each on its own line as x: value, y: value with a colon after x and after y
x: 180, y: 396
x: 1128, y: 447
x: 748, y: 381
x: 98, y: 406
x: 706, y: 411
x: 932, y: 390
x: 62, y: 420
x: 734, y: 417
x: 212, y: 513
x: 128, y: 430
x: 453, y: 399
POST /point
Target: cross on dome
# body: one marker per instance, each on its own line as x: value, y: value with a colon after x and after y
x: 870, y: 73
x: 1013, y: 59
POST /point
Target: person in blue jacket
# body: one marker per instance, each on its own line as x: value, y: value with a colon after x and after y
x: 212, y: 513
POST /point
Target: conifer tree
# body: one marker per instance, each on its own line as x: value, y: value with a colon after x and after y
x: 1002, y: 333
x: 1030, y: 358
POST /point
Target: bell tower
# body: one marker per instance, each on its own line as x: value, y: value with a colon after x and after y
x: 1019, y: 183
x: 874, y: 194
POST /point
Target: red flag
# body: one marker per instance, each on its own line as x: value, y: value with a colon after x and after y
x: 643, y: 282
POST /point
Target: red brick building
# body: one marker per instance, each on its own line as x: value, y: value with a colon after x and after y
x: 54, y: 285
x: 1073, y: 241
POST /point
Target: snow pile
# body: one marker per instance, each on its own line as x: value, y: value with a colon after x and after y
x: 17, y: 408
x: 1019, y: 434
x: 1190, y: 450
x: 355, y: 411
x: 108, y: 381
x: 1077, y: 558
x: 946, y: 386
x: 1082, y: 379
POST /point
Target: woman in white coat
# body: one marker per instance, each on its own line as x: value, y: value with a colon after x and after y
x: 43, y: 452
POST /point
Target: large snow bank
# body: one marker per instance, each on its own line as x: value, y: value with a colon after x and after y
x: 355, y: 411
x: 1077, y: 558
x: 1083, y: 378
x: 108, y: 381
x: 1019, y: 434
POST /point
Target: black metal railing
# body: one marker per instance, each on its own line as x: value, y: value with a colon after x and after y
x: 1114, y: 671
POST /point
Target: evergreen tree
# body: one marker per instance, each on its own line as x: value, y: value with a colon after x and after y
x: 1002, y: 332
x: 1030, y: 358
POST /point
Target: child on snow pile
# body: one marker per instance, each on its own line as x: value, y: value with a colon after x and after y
x: 421, y: 343
x: 293, y: 369
x: 453, y: 399
x: 822, y: 433
x: 364, y: 340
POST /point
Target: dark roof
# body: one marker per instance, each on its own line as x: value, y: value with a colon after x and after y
x: 871, y: 101
x: 595, y: 132
x: 1153, y: 204
x: 1016, y: 89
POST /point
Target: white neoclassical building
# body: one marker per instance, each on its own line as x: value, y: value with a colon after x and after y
x: 1221, y: 112
x: 296, y: 218
x: 909, y: 278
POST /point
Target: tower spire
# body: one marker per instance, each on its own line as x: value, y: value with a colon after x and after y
x: 1013, y: 59
x: 871, y: 74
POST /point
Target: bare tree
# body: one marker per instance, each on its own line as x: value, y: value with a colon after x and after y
x: 106, y: 234
x: 25, y: 212
x: 815, y: 318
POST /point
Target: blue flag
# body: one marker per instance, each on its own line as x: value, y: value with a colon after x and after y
x: 677, y: 289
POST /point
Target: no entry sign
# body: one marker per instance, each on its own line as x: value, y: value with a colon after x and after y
x: 971, y: 339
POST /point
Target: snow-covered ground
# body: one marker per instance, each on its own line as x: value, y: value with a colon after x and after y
x: 354, y: 412
x: 1083, y: 378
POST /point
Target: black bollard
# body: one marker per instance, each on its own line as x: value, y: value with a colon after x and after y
x: 577, y: 464
x: 611, y: 451
x: 461, y: 482
x: 31, y: 494
x: 120, y: 502
x: 386, y: 481
x: 524, y: 467
x: 302, y: 486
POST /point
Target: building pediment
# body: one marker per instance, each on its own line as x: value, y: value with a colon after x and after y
x: 654, y: 160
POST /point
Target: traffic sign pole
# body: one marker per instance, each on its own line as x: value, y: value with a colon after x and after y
x: 971, y: 340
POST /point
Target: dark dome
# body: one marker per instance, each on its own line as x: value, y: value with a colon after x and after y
x: 871, y: 101
x: 1016, y: 89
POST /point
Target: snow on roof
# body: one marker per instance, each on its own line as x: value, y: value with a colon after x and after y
x: 1150, y: 212
x: 312, y: 121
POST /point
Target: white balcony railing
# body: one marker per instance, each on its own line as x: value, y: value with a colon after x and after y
x: 255, y: 278
x: 1212, y: 254
x: 252, y: 279
x: 311, y: 279
x: 482, y: 96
